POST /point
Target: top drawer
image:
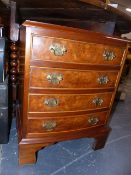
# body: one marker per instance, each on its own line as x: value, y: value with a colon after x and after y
x: 71, y: 51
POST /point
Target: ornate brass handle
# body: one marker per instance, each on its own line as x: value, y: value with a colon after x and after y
x: 97, y: 101
x: 103, y: 79
x: 51, y: 102
x: 58, y: 49
x: 109, y: 55
x: 54, y: 78
x: 49, y: 125
x: 93, y: 120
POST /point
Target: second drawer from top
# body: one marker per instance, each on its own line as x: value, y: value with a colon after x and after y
x: 61, y: 78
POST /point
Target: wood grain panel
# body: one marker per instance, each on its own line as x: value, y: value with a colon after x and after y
x: 67, y: 102
x: 71, y: 78
x: 65, y: 123
x: 50, y: 64
x: 77, y: 52
x: 69, y: 91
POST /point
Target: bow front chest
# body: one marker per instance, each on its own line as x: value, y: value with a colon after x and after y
x: 67, y: 83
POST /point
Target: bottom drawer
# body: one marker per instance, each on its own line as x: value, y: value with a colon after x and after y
x: 67, y: 123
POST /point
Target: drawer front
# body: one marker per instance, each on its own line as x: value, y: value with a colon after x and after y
x: 59, y: 78
x: 66, y: 123
x: 68, y: 102
x: 69, y: 51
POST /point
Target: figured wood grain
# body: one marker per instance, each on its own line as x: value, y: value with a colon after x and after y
x: 77, y: 52
x: 36, y: 90
x: 70, y: 78
x: 70, y: 123
x: 102, y: 67
x: 84, y: 55
x: 67, y: 102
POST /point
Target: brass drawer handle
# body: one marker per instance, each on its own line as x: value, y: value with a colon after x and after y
x: 103, y: 79
x: 54, y: 78
x: 93, y: 120
x: 109, y: 55
x: 49, y: 125
x: 97, y: 101
x: 58, y: 49
x: 51, y: 102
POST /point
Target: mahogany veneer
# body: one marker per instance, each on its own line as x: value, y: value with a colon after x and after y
x: 67, y: 83
x: 78, y: 51
x: 71, y: 78
x: 76, y: 102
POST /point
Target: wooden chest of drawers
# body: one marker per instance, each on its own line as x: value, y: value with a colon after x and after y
x: 67, y: 83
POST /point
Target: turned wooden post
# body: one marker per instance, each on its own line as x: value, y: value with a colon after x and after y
x: 13, y: 66
x: 13, y: 63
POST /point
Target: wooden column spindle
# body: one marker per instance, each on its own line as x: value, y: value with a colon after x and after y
x: 13, y: 63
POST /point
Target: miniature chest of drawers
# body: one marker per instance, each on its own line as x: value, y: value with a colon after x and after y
x: 67, y: 83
